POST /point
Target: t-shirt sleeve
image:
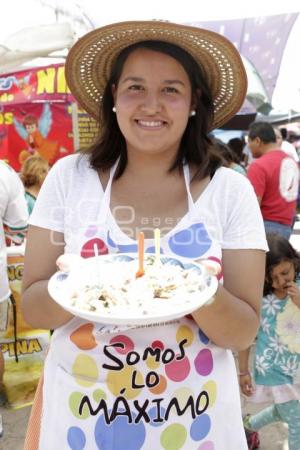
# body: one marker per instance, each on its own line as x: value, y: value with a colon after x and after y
x: 257, y: 178
x: 49, y: 208
x: 12, y: 199
x: 244, y: 227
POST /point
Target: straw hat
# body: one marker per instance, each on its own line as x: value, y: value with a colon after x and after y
x: 89, y: 62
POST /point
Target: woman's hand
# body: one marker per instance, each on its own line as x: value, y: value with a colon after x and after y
x: 294, y: 292
x: 245, y: 381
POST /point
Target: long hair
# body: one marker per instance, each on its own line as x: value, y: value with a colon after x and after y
x: 280, y: 250
x: 195, y: 147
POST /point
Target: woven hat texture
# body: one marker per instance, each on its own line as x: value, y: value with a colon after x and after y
x: 89, y: 62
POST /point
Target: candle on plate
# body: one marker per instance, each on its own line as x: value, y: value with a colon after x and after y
x: 141, y: 250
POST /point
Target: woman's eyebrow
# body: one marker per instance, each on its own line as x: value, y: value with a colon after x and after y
x: 140, y: 79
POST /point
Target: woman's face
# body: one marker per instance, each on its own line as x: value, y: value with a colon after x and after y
x: 153, y: 102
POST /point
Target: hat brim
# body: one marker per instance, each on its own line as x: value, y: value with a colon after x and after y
x: 90, y: 60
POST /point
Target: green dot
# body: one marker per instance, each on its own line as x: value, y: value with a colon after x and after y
x: 98, y: 395
x: 173, y: 437
x: 74, y: 402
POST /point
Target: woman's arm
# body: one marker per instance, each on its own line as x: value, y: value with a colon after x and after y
x: 43, y: 247
x: 232, y: 319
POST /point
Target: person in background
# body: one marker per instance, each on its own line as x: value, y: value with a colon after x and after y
x: 237, y: 145
x: 33, y: 174
x: 13, y: 222
x: 286, y: 146
x: 275, y: 178
x: 157, y: 89
x: 276, y: 363
x: 230, y: 157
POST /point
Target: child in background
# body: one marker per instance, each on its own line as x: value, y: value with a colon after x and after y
x: 33, y: 174
x: 277, y: 355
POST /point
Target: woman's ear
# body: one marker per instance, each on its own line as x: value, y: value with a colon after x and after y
x: 195, y: 99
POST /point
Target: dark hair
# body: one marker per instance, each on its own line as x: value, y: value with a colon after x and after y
x: 237, y: 146
x: 195, y: 145
x: 227, y: 154
x: 279, y: 250
x: 262, y: 130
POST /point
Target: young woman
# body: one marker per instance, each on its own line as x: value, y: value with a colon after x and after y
x: 157, y: 89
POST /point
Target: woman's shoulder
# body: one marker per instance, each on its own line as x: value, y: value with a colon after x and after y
x: 232, y: 179
x: 77, y: 163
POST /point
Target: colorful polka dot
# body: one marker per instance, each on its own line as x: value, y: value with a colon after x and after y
x: 191, y: 242
x: 157, y: 419
x: 74, y: 403
x: 160, y: 387
x: 211, y: 388
x: 83, y: 337
x: 214, y: 258
x: 131, y: 248
x: 203, y: 338
x: 88, y: 249
x: 173, y: 437
x: 178, y: 370
x: 126, y: 342
x: 157, y: 344
x: 182, y: 395
x: 200, y: 427
x: 120, y: 434
x: 185, y: 332
x: 76, y: 438
x: 85, y: 370
x: 204, y: 362
x: 110, y: 241
x: 99, y: 395
x: 208, y: 445
x: 120, y: 382
x: 91, y: 231
x: 152, y: 250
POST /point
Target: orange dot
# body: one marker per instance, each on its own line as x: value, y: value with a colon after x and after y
x: 160, y: 387
x: 83, y: 337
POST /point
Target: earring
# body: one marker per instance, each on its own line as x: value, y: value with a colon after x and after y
x: 114, y: 109
x: 192, y: 113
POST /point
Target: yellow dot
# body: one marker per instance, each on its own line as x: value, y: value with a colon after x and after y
x: 185, y: 332
x: 125, y: 382
x: 85, y: 370
x: 211, y: 388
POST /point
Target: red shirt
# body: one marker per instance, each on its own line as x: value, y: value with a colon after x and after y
x: 275, y: 178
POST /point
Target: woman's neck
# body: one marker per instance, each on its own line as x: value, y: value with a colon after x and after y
x: 33, y: 190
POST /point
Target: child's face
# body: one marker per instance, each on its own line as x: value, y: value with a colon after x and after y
x: 282, y: 275
x: 31, y: 128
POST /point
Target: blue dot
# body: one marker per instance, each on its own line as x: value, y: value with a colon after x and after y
x: 203, y: 337
x: 76, y: 438
x: 192, y: 242
x: 119, y: 434
x: 200, y: 427
x: 131, y: 248
x: 152, y: 413
x: 152, y: 250
x: 110, y: 241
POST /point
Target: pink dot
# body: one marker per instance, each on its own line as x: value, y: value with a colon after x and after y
x: 157, y: 344
x: 178, y: 370
x: 126, y: 341
x: 204, y: 362
x: 214, y: 258
x: 208, y: 445
x: 91, y: 231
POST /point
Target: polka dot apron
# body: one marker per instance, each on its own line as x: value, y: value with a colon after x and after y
x: 158, y: 386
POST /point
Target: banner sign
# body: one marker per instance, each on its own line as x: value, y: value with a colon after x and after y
x: 21, y: 378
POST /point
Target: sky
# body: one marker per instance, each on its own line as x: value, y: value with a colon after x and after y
x: 18, y: 15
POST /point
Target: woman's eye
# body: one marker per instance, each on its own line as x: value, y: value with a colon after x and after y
x: 135, y: 87
x: 171, y: 90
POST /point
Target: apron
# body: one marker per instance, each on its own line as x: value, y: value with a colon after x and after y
x: 158, y: 386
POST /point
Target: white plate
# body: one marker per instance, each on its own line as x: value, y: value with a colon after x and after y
x: 61, y: 287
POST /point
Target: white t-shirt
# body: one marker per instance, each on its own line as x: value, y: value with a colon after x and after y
x: 290, y: 150
x: 71, y: 197
x: 13, y: 213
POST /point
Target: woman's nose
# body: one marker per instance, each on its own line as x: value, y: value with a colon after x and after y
x: 151, y: 103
